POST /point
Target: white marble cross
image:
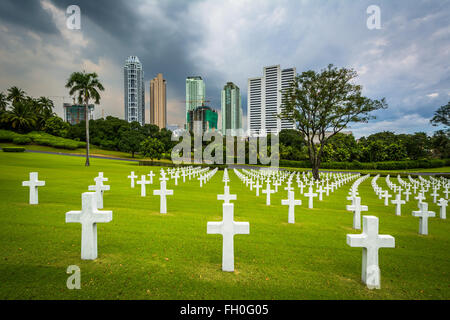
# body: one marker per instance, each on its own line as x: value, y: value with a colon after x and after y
x: 257, y: 186
x: 398, y: 202
x: 226, y: 197
x: 132, y: 177
x: 162, y: 193
x: 434, y: 195
x: 443, y: 203
x: 291, y: 202
x: 89, y: 216
x: 143, y: 184
x: 99, y: 188
x: 356, y: 207
x: 420, y: 197
x: 370, y: 241
x: 151, y: 175
x: 228, y: 228
x: 33, y: 184
x: 423, y: 214
x: 311, y: 196
x: 386, y: 197
x: 268, y: 191
x: 407, y: 193
x: 320, y: 191
x: 176, y: 176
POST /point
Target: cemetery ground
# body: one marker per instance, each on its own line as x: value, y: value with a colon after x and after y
x: 143, y: 254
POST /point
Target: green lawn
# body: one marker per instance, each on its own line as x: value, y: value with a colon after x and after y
x: 146, y: 255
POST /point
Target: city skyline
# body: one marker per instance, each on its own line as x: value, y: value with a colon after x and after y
x: 405, y: 61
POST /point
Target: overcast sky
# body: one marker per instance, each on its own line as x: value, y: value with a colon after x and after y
x: 406, y: 61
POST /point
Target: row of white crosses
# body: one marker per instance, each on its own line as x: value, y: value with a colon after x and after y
x: 369, y: 239
x: 276, y: 177
x: 423, y: 213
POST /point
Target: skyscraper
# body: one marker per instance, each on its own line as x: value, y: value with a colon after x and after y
x: 195, y: 94
x: 158, y: 101
x: 231, y: 109
x: 264, y: 100
x: 134, y: 95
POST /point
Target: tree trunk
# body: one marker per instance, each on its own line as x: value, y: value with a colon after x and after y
x: 87, y: 132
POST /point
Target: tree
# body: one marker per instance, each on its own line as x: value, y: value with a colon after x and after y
x: 323, y: 104
x: 131, y: 139
x: 56, y: 126
x: 442, y: 116
x: 152, y: 148
x: 15, y: 94
x: 86, y: 85
x: 21, y: 117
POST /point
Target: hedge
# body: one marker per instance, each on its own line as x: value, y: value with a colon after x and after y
x: 40, y: 138
x: 13, y: 149
x: 386, y: 165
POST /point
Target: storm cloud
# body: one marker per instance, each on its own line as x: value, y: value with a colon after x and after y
x: 405, y: 61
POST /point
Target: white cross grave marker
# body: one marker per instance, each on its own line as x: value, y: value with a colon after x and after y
x: 291, y: 202
x: 398, y: 202
x: 268, y: 191
x: 89, y: 216
x: 423, y: 214
x: 162, y: 193
x: 311, y: 196
x: 99, y: 188
x: 143, y: 184
x: 226, y: 197
x: 228, y: 228
x: 33, y: 184
x: 370, y: 241
x: 132, y: 177
x: 356, y: 207
x: 443, y: 204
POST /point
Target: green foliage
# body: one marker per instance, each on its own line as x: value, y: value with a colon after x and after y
x: 442, y: 116
x: 130, y: 141
x: 152, y: 148
x: 40, y: 138
x: 22, y: 140
x: 13, y: 149
x: 56, y: 126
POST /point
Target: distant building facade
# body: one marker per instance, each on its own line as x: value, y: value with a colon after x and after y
x: 264, y: 102
x: 158, y: 101
x: 195, y: 94
x: 206, y: 115
x: 75, y: 113
x: 231, y: 108
x: 134, y: 91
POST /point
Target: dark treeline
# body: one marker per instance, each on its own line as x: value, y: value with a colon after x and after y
x: 381, y: 146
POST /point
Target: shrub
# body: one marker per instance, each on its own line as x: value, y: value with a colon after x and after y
x: 21, y: 140
x: 13, y: 149
x: 8, y: 136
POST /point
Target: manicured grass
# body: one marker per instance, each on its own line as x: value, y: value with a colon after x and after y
x: 146, y: 255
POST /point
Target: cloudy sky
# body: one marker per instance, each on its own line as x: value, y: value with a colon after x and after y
x: 406, y: 61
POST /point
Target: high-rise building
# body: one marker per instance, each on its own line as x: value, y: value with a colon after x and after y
x: 158, y: 101
x: 207, y: 115
x: 75, y: 113
x: 231, y: 109
x: 134, y: 91
x: 195, y: 94
x: 264, y: 101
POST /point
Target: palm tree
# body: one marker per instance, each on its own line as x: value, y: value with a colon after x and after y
x: 44, y: 110
x: 86, y: 86
x: 15, y: 94
x: 21, y: 116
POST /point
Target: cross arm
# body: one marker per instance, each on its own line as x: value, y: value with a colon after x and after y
x: 103, y: 216
x: 386, y: 241
x: 356, y: 240
x: 73, y: 216
x: 214, y: 227
x: 241, y: 227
